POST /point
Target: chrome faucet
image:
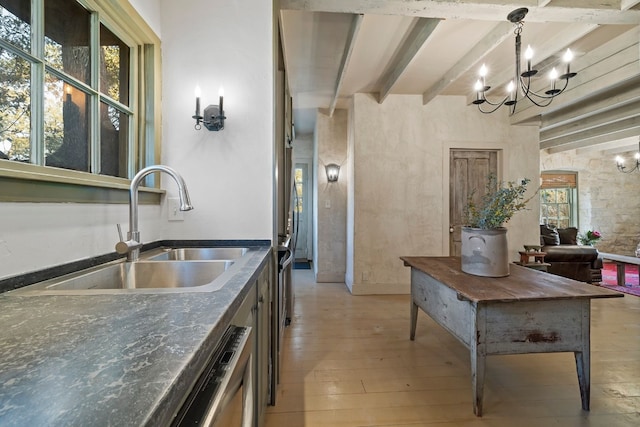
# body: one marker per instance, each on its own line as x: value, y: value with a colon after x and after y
x: 131, y: 247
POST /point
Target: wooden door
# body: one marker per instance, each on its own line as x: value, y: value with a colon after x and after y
x: 468, y: 171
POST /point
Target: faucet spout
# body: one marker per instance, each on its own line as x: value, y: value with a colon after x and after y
x: 132, y: 246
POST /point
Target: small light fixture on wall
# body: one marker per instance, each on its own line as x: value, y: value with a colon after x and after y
x: 333, y: 172
x: 620, y: 162
x: 213, y: 116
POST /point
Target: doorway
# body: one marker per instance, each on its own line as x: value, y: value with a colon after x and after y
x: 468, y: 173
x: 303, y: 211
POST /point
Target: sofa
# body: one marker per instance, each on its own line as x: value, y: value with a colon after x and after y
x: 567, y: 258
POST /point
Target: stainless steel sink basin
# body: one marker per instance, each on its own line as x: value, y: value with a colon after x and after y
x: 196, y: 254
x: 154, y: 276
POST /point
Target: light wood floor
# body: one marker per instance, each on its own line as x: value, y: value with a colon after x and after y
x: 348, y: 361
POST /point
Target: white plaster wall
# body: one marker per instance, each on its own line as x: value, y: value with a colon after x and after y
x: 331, y: 207
x: 348, y: 277
x: 401, y: 188
x: 607, y: 199
x: 150, y: 12
x: 229, y: 173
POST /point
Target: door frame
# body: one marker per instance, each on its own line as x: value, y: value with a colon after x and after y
x: 502, y: 147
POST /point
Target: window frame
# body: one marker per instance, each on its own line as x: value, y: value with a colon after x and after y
x: 33, y: 182
x: 560, y: 180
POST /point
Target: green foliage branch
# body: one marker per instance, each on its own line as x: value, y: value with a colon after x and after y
x: 497, y: 205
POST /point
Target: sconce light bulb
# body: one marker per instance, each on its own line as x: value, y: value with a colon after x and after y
x: 553, y: 74
x: 221, y: 91
x: 637, y: 156
x: 478, y: 86
x: 197, y: 91
x: 619, y: 160
x: 483, y: 71
x: 528, y: 54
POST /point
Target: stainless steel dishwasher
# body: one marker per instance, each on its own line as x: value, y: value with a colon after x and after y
x: 224, y: 394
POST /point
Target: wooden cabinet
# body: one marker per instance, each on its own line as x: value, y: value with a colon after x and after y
x: 263, y: 338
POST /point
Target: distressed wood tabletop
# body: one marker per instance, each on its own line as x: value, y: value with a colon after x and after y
x: 522, y: 284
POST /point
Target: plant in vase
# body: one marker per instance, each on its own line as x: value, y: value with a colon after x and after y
x: 589, y: 238
x: 484, y: 249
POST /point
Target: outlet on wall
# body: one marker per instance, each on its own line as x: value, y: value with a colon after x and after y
x: 173, y: 209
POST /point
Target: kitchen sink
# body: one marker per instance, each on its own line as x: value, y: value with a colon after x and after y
x: 196, y: 254
x: 140, y: 276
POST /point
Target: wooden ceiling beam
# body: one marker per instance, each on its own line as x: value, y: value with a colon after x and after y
x: 346, y: 56
x: 419, y: 34
x: 599, y: 12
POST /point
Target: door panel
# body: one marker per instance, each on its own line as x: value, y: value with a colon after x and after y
x: 469, y: 170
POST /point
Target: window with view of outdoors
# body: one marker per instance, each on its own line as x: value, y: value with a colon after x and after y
x: 558, y: 199
x: 64, y: 97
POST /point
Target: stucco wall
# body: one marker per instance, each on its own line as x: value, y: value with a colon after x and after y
x: 401, y: 185
x: 608, y: 200
x: 331, y: 206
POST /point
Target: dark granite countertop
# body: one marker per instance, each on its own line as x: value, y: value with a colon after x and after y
x: 102, y: 360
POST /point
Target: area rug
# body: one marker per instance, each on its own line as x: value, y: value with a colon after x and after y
x: 609, y: 279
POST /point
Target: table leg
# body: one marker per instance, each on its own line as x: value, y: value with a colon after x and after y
x: 414, y: 320
x: 583, y: 358
x: 478, y: 359
x: 620, y: 274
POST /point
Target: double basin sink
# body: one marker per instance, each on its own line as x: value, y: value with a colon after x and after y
x: 158, y: 271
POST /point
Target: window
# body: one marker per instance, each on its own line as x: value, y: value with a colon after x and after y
x: 558, y: 204
x: 77, y: 85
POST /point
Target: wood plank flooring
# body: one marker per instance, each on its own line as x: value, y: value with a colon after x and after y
x: 348, y: 362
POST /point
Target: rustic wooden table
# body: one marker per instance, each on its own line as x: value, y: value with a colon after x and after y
x: 528, y: 311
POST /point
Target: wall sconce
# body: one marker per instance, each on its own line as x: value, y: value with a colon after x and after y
x: 213, y: 117
x: 333, y: 171
x: 620, y: 162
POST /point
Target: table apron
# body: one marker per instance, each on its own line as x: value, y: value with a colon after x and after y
x: 534, y: 326
x: 515, y: 327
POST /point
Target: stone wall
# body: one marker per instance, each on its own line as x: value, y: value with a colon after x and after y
x: 608, y: 200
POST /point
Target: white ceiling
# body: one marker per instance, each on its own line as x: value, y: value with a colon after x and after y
x: 335, y: 48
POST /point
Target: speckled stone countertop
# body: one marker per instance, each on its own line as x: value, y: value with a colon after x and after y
x: 110, y: 360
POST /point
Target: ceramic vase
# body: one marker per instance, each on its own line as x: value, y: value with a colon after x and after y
x: 485, y: 252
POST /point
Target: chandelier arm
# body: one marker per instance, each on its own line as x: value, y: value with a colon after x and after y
x: 495, y: 103
x: 531, y: 95
x: 491, y: 110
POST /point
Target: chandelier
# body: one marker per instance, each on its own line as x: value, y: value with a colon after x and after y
x: 620, y: 162
x: 522, y: 81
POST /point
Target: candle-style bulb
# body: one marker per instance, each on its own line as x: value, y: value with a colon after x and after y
x: 568, y: 56
x: 553, y: 74
x: 197, y: 92
x: 528, y: 54
x: 221, y: 95
x: 483, y: 71
x: 510, y: 87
